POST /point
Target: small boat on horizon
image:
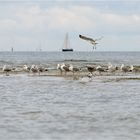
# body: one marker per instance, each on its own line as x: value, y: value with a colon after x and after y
x: 66, y: 44
x: 12, y: 49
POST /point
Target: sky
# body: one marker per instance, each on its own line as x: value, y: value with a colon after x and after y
x: 34, y: 25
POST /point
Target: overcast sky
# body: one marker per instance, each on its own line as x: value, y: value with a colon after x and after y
x: 30, y: 25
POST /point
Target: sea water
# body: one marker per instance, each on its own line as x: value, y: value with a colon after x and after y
x: 15, y: 58
x: 60, y: 108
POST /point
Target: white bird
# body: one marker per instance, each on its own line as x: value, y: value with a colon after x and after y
x: 63, y: 68
x: 59, y: 68
x: 74, y: 69
x: 125, y: 68
x: 34, y: 69
x: 26, y: 68
x: 100, y: 69
x: 112, y: 68
x: 134, y: 69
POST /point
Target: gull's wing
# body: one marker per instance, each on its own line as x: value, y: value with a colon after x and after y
x: 99, y: 38
x: 90, y: 40
x: 87, y: 38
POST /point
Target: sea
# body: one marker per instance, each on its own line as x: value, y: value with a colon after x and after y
x: 61, y: 108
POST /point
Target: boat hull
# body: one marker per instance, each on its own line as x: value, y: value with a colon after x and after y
x: 67, y: 50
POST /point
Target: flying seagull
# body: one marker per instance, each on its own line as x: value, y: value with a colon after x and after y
x: 91, y: 40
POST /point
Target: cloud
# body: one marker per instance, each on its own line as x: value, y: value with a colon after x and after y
x: 121, y: 24
x: 69, y: 19
x: 55, y: 18
x: 7, y: 24
x: 31, y: 22
x: 75, y: 18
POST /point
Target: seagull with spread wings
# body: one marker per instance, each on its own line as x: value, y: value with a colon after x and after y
x: 91, y: 40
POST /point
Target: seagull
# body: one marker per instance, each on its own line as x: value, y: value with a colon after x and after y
x: 112, y: 68
x: 134, y: 69
x: 6, y: 70
x: 26, y: 68
x: 63, y: 68
x: 125, y: 68
x: 34, y: 69
x: 91, y: 68
x: 59, y: 68
x: 100, y: 69
x: 74, y: 69
x: 41, y: 69
x: 91, y: 40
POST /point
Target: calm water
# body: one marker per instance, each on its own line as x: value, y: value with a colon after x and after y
x: 58, y: 108
x: 18, y: 58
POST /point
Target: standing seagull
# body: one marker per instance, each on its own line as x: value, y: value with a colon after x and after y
x: 6, y: 70
x: 134, y: 69
x: 91, y: 69
x: 34, y: 69
x: 63, y: 68
x: 26, y: 68
x: 125, y: 68
x: 112, y: 68
x: 100, y: 69
x: 74, y: 69
x: 59, y: 68
x: 42, y: 69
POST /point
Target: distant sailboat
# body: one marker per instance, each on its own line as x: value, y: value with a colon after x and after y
x: 66, y: 44
x: 12, y: 49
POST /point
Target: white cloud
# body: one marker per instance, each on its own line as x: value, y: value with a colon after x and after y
x: 34, y: 22
x: 68, y: 19
x: 7, y: 24
x: 122, y: 24
x: 73, y: 18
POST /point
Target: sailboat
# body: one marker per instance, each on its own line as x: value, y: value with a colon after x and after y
x: 66, y: 44
x: 12, y: 49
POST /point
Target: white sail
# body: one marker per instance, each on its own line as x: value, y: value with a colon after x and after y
x: 67, y: 44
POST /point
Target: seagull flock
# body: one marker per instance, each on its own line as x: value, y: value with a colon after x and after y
x: 63, y: 69
x: 29, y: 69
